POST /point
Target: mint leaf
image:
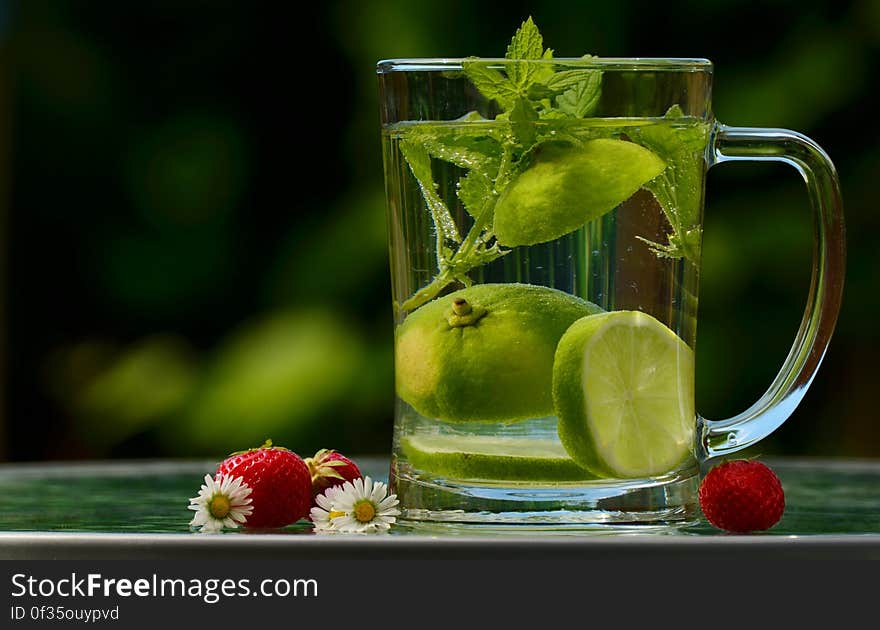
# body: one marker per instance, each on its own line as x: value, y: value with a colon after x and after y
x: 475, y: 190
x: 581, y: 99
x: 469, y: 147
x: 566, y: 79
x: 543, y: 71
x: 675, y: 138
x: 522, y: 121
x: 464, y: 151
x: 527, y: 43
x: 490, y: 82
x: 539, y: 92
x: 420, y: 164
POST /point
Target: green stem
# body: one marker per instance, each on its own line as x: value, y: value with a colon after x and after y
x: 487, y: 212
x: 467, y: 246
x: 429, y: 291
x: 462, y: 261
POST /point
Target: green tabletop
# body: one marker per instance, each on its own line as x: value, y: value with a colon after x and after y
x: 47, y: 509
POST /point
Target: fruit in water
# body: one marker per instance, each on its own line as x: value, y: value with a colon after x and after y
x: 623, y: 386
x: 567, y: 186
x: 490, y: 457
x: 484, y: 353
x: 742, y: 496
x: 281, y: 486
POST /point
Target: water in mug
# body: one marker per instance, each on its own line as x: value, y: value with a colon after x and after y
x: 642, y: 255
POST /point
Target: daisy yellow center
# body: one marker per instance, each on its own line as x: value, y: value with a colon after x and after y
x: 219, y: 506
x: 364, y: 511
x: 335, y: 514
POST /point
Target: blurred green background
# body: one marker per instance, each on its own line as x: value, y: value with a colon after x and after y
x: 193, y: 235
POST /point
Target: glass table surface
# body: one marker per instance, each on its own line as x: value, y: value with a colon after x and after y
x: 123, y: 507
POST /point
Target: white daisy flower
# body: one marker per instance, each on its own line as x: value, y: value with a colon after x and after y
x: 221, y: 503
x: 320, y: 514
x: 361, y: 507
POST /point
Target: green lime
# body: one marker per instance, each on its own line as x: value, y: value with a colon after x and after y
x: 492, y: 458
x: 484, y: 353
x: 623, y: 385
x: 567, y: 186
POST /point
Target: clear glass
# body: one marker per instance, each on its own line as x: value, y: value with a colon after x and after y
x: 476, y: 186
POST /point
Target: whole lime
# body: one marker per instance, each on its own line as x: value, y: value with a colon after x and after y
x: 566, y: 186
x: 484, y: 353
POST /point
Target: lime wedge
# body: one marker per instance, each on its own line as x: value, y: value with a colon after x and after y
x: 623, y: 387
x: 491, y: 458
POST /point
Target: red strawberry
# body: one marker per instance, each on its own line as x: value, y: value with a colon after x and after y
x: 330, y: 468
x: 742, y: 496
x: 281, y: 488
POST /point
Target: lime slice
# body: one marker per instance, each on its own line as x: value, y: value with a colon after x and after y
x: 623, y: 387
x: 492, y: 458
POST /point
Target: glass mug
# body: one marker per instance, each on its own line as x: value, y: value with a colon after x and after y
x: 545, y: 259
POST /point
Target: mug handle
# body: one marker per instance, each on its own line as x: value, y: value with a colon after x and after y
x: 733, y: 144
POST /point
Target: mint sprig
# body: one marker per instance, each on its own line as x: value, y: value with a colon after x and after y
x: 493, y: 155
x: 526, y: 93
x: 529, y: 91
